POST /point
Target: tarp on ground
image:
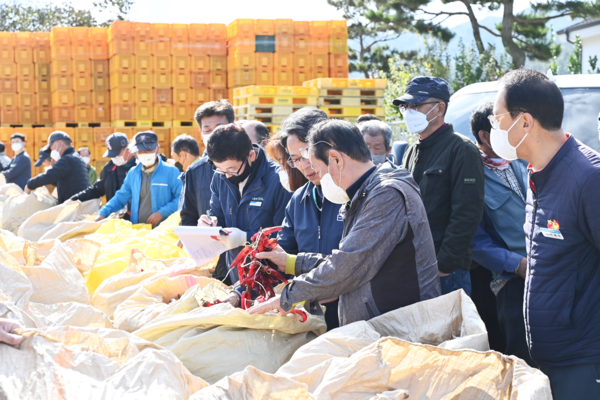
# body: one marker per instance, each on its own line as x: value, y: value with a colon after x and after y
x: 19, y: 207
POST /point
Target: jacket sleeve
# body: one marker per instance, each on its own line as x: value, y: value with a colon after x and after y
x: 95, y: 191
x: 175, y: 185
x: 491, y: 255
x: 189, y: 211
x: 50, y: 177
x: 288, y: 239
x: 466, y: 208
x: 362, y: 253
x: 283, y: 199
x: 16, y: 169
x: 120, y: 199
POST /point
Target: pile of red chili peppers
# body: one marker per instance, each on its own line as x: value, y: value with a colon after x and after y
x: 260, y: 274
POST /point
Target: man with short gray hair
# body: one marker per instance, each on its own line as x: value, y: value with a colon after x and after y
x: 378, y: 136
x: 258, y: 132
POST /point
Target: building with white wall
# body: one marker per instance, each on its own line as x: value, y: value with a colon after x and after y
x: 589, y: 33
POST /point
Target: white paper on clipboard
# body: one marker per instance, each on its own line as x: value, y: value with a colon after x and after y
x: 199, y: 244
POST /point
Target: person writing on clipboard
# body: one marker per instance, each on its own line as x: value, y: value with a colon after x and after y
x: 246, y: 192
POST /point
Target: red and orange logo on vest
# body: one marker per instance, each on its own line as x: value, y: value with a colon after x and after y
x: 553, y: 224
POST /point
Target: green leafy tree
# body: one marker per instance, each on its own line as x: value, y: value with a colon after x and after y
x: 555, y: 49
x: 372, y: 23
x: 575, y: 61
x: 593, y: 61
x: 25, y: 17
x: 472, y: 67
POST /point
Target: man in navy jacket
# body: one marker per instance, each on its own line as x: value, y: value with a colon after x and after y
x: 19, y: 169
x: 562, y: 228
x: 246, y: 192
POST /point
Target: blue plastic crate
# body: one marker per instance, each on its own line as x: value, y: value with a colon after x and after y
x: 265, y: 43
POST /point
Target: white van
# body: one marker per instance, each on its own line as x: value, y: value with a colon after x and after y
x: 582, y: 106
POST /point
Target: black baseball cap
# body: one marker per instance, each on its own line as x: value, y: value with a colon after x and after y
x: 144, y: 141
x: 17, y: 135
x: 115, y: 143
x: 423, y: 87
x: 43, y: 156
x: 54, y: 136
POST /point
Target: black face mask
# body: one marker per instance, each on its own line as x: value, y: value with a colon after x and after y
x: 236, y: 180
x: 179, y: 166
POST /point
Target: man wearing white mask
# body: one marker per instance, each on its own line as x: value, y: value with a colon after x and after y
x: 113, y: 173
x: 85, y: 153
x: 449, y: 170
x: 18, y: 170
x: 69, y: 173
x: 386, y: 259
x: 152, y: 186
x: 378, y: 136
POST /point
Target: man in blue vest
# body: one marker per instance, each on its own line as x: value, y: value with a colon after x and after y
x: 246, y: 192
x: 499, y: 244
x: 562, y: 228
x: 152, y: 186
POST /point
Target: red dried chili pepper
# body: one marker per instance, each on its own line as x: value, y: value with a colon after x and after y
x: 245, y: 297
x: 302, y: 314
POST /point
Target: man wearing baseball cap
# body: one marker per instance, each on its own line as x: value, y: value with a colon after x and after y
x: 114, y: 172
x: 152, y: 186
x: 69, y: 173
x: 19, y: 169
x: 448, y: 168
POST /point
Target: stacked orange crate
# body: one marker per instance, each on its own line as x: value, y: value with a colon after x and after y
x: 199, y: 65
x: 319, y: 39
x: 42, y: 59
x: 163, y: 73
x: 122, y: 71
x: 100, y: 75
x: 82, y: 74
x: 181, y: 73
x: 25, y: 77
x: 241, y: 47
x: 338, y: 49
x: 61, y: 76
x: 9, y: 113
x: 217, y: 46
x: 143, y: 87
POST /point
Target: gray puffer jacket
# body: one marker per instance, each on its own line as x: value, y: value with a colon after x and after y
x: 386, y: 258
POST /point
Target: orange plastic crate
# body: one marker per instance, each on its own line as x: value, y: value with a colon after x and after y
x: 63, y: 98
x: 199, y: 80
x: 218, y: 80
x: 122, y: 63
x: 338, y: 27
x: 144, y: 112
x: 84, y: 137
x: 284, y: 43
x: 162, y: 112
x: 217, y: 31
x: 61, y: 82
x: 62, y: 65
x: 338, y: 44
x: 200, y: 64
x: 120, y: 112
x: 183, y: 112
x: 284, y: 61
x: 301, y: 28
x: 63, y: 114
x: 319, y: 45
x: 44, y: 115
x: 101, y: 98
x: 43, y: 100
x: 123, y: 79
x: 27, y: 115
x: 199, y: 47
x: 8, y: 70
x: 120, y: 45
x: 239, y: 60
x: 302, y: 61
x: 181, y: 63
x: 283, y: 77
x: 100, y: 82
x: 61, y: 49
x: 142, y: 47
x: 264, y: 27
x: 122, y: 96
x: 181, y: 79
x: 8, y: 85
x: 42, y: 85
x: 162, y: 64
x: 264, y: 61
x: 338, y: 72
x: 241, y: 44
x: 319, y: 61
x: 82, y: 83
x: 9, y: 100
x: 144, y: 80
x: 83, y: 114
x: 319, y: 73
x: 180, y: 46
x: 160, y: 30
x: 180, y: 31
x: 23, y: 47
x: 241, y: 27
x: 142, y: 38
x: 26, y: 85
x: 182, y: 96
x: 100, y: 67
x: 99, y: 51
x: 143, y: 96
x: 82, y: 98
x: 120, y: 29
x: 218, y: 63
x: 98, y: 35
x: 264, y: 77
x: 218, y: 94
x: 284, y: 27
x: 82, y: 67
x: 216, y: 47
x: 200, y: 96
x: 161, y: 41
x: 60, y: 34
x: 42, y: 70
x: 198, y: 31
x: 162, y: 80
x: 319, y: 28
x: 9, y: 115
x: 241, y: 77
x: 80, y: 42
x: 302, y: 45
x: 101, y: 134
x: 41, y: 47
x: 162, y: 96
x: 143, y: 63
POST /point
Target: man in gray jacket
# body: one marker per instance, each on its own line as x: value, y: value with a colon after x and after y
x: 386, y: 258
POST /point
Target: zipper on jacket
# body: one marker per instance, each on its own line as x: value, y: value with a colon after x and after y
x: 319, y: 231
x: 533, y: 219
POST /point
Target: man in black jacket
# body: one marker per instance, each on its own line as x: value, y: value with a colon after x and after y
x: 69, y: 173
x: 448, y: 168
x: 114, y: 172
x: 19, y: 169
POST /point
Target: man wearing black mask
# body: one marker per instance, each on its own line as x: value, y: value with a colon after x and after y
x: 246, y: 192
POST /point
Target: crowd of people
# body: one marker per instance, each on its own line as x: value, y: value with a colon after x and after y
x: 511, y: 218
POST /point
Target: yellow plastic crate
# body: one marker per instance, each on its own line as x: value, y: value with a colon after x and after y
x: 346, y: 83
x: 353, y: 111
x: 276, y: 100
x: 275, y: 91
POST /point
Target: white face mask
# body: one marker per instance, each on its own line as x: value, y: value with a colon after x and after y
x: 86, y: 160
x: 205, y: 138
x: 118, y: 161
x: 378, y: 159
x: 47, y: 168
x: 55, y: 155
x: 16, y: 146
x: 147, y: 159
x: 416, y: 122
x: 501, y: 145
x: 331, y: 191
x: 284, y: 178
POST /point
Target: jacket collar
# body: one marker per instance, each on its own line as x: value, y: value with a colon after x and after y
x: 519, y: 168
x: 307, y: 190
x: 541, y: 177
x: 438, y: 137
x: 69, y: 150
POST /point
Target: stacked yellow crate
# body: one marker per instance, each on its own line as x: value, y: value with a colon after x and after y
x: 61, y: 77
x: 122, y: 73
x: 25, y: 77
x: 100, y: 76
x: 347, y: 99
x: 42, y: 59
x: 9, y: 102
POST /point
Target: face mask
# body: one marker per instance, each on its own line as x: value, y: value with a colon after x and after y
x: 86, y: 160
x: 416, y: 121
x: 236, y: 180
x: 47, y: 168
x: 501, y: 145
x: 378, y: 159
x: 284, y: 178
x: 147, y: 160
x: 205, y: 138
x: 16, y: 147
x: 55, y: 155
x: 331, y: 191
x: 118, y: 161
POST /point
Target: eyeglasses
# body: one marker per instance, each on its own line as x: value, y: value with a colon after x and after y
x: 293, y: 162
x: 305, y: 152
x: 218, y: 171
x: 495, y: 119
x: 414, y: 106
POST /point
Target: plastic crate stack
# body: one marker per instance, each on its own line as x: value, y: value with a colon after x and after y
x: 272, y: 104
x: 349, y: 98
